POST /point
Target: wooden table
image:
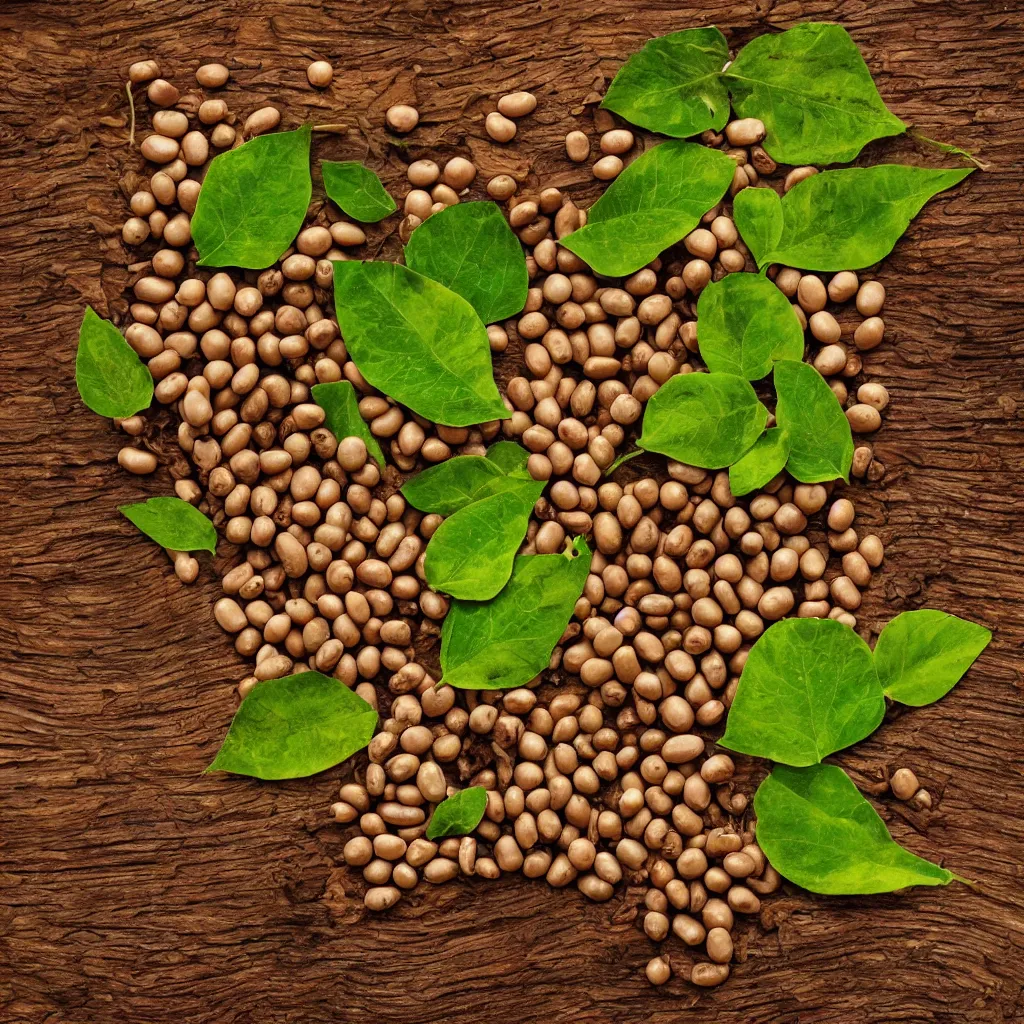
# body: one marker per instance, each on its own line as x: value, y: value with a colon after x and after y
x: 134, y: 888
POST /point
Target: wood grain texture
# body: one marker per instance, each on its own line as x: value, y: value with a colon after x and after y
x: 134, y: 888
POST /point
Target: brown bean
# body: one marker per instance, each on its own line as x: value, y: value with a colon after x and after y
x: 517, y: 104
x: 904, y: 784
x: 658, y: 970
x: 499, y: 127
x: 745, y: 131
x: 402, y: 118
x: 709, y: 975
x: 577, y: 146
x: 263, y: 120
x: 212, y: 76
x: 688, y: 929
x: 161, y: 93
x: 607, y: 168
x: 870, y: 298
x: 381, y: 897
x: 137, y: 461
x: 869, y: 333
x: 320, y: 74
x: 864, y: 419
x: 143, y: 71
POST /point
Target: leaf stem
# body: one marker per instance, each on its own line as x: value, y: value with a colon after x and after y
x: 947, y: 147
x: 623, y: 458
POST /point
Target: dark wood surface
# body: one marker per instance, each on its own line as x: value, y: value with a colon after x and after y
x: 134, y: 888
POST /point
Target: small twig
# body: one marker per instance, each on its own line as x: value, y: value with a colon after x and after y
x: 131, y: 121
x: 334, y: 129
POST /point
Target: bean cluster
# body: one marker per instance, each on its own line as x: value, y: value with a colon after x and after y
x: 604, y: 770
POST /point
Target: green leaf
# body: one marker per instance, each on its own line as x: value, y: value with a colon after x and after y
x: 109, y: 375
x: 745, y: 324
x: 921, y: 655
x: 470, y: 555
x: 504, y: 643
x: 814, y: 93
x: 703, y: 419
x: 173, y: 524
x: 758, y: 216
x: 818, y: 831
x: 851, y: 218
x: 762, y: 463
x: 470, y: 249
x: 459, y: 814
x: 488, y: 501
x: 340, y: 403
x: 356, y: 190
x: 674, y: 85
x: 808, y: 689
x: 509, y: 457
x: 294, y: 727
x: 453, y: 484
x: 417, y: 341
x: 253, y: 201
x: 820, y: 440
x: 657, y: 199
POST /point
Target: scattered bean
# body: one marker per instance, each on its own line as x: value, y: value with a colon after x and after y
x: 402, y: 118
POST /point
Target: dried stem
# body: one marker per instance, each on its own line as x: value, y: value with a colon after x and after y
x: 131, y: 109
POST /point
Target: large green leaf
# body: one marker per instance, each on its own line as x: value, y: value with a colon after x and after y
x: 488, y: 501
x: 471, y: 553
x: 173, y: 524
x: 504, y: 643
x: 417, y: 341
x: 109, y: 375
x: 758, y: 216
x: 294, y: 727
x: 921, y: 655
x: 452, y: 485
x: 253, y: 201
x: 814, y: 93
x: 745, y: 324
x: 808, y: 689
x: 660, y: 197
x: 818, y: 831
x: 762, y: 463
x: 470, y: 248
x: 674, y: 85
x: 459, y: 814
x: 840, y: 220
x: 509, y: 457
x: 340, y: 404
x: 703, y: 419
x: 820, y: 439
x: 356, y: 190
